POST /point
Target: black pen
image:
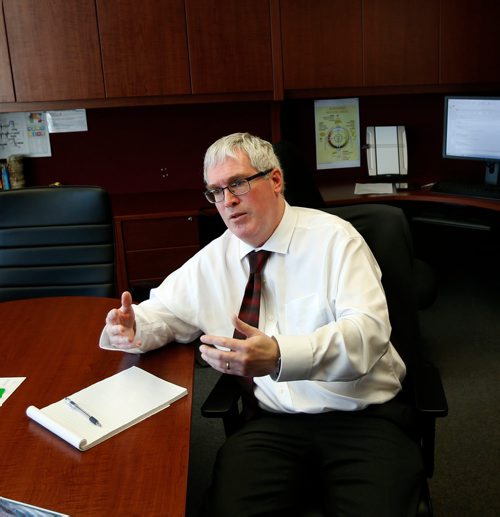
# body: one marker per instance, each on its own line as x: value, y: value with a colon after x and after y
x: 73, y: 405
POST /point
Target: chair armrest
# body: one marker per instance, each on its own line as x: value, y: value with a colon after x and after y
x: 222, y: 399
x: 430, y: 398
x: 223, y: 402
x: 430, y: 403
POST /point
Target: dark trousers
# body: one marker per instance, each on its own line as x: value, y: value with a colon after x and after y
x: 362, y: 463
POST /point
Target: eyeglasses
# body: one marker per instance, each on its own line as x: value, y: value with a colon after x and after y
x: 237, y: 187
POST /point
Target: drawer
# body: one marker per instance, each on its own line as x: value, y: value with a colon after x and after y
x: 157, y: 263
x: 165, y: 232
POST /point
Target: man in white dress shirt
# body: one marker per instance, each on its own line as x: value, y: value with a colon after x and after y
x: 326, y: 376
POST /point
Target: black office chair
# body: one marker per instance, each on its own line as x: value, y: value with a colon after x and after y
x: 56, y: 241
x: 300, y: 187
x: 386, y: 231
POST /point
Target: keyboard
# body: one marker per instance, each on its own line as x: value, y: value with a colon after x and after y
x: 467, y: 189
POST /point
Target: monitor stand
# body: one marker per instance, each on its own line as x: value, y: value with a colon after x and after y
x: 492, y: 174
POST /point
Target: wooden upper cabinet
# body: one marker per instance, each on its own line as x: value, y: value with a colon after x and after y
x: 401, y: 42
x: 229, y: 45
x: 470, y: 47
x: 54, y: 49
x: 144, y: 47
x: 322, y: 43
x: 6, y: 87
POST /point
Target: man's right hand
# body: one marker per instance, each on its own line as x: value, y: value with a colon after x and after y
x: 120, y: 325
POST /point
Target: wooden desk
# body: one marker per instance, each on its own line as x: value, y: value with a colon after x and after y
x: 343, y: 194
x: 53, y: 342
x: 156, y: 232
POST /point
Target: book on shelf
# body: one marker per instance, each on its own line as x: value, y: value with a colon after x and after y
x: 94, y: 414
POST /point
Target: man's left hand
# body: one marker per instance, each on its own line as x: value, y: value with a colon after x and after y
x: 255, y: 356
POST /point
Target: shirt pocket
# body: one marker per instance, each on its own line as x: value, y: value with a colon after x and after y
x: 306, y: 314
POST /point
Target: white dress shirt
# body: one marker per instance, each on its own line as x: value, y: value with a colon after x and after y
x: 322, y: 299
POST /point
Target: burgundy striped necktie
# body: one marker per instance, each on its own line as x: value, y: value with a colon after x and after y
x: 249, y: 313
x: 250, y: 306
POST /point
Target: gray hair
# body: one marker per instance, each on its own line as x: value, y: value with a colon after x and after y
x: 259, y: 152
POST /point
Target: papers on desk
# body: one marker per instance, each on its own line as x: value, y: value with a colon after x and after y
x: 7, y: 387
x: 374, y: 188
x: 117, y: 402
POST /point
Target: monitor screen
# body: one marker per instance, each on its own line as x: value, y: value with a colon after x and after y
x: 472, y: 128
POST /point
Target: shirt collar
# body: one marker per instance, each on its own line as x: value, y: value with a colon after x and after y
x: 279, y: 241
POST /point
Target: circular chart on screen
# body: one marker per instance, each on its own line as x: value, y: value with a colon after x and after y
x: 338, y: 137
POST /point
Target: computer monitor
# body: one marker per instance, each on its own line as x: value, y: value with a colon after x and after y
x: 472, y: 131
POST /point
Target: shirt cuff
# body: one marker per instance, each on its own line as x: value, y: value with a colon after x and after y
x: 105, y: 344
x: 275, y: 375
x: 296, y: 358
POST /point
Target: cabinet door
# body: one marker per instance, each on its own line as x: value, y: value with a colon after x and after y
x: 144, y: 47
x: 6, y: 88
x: 401, y: 42
x: 322, y: 43
x: 229, y: 45
x: 469, y: 41
x: 54, y: 49
x: 150, y: 249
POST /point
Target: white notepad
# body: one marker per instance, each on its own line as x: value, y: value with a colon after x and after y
x: 117, y: 402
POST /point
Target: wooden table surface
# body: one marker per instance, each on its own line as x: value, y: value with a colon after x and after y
x: 53, y: 342
x: 343, y: 194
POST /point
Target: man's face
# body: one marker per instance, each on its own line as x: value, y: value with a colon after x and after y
x: 253, y: 216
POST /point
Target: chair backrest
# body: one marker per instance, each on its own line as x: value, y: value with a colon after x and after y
x: 387, y: 233
x: 300, y: 188
x: 56, y: 241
